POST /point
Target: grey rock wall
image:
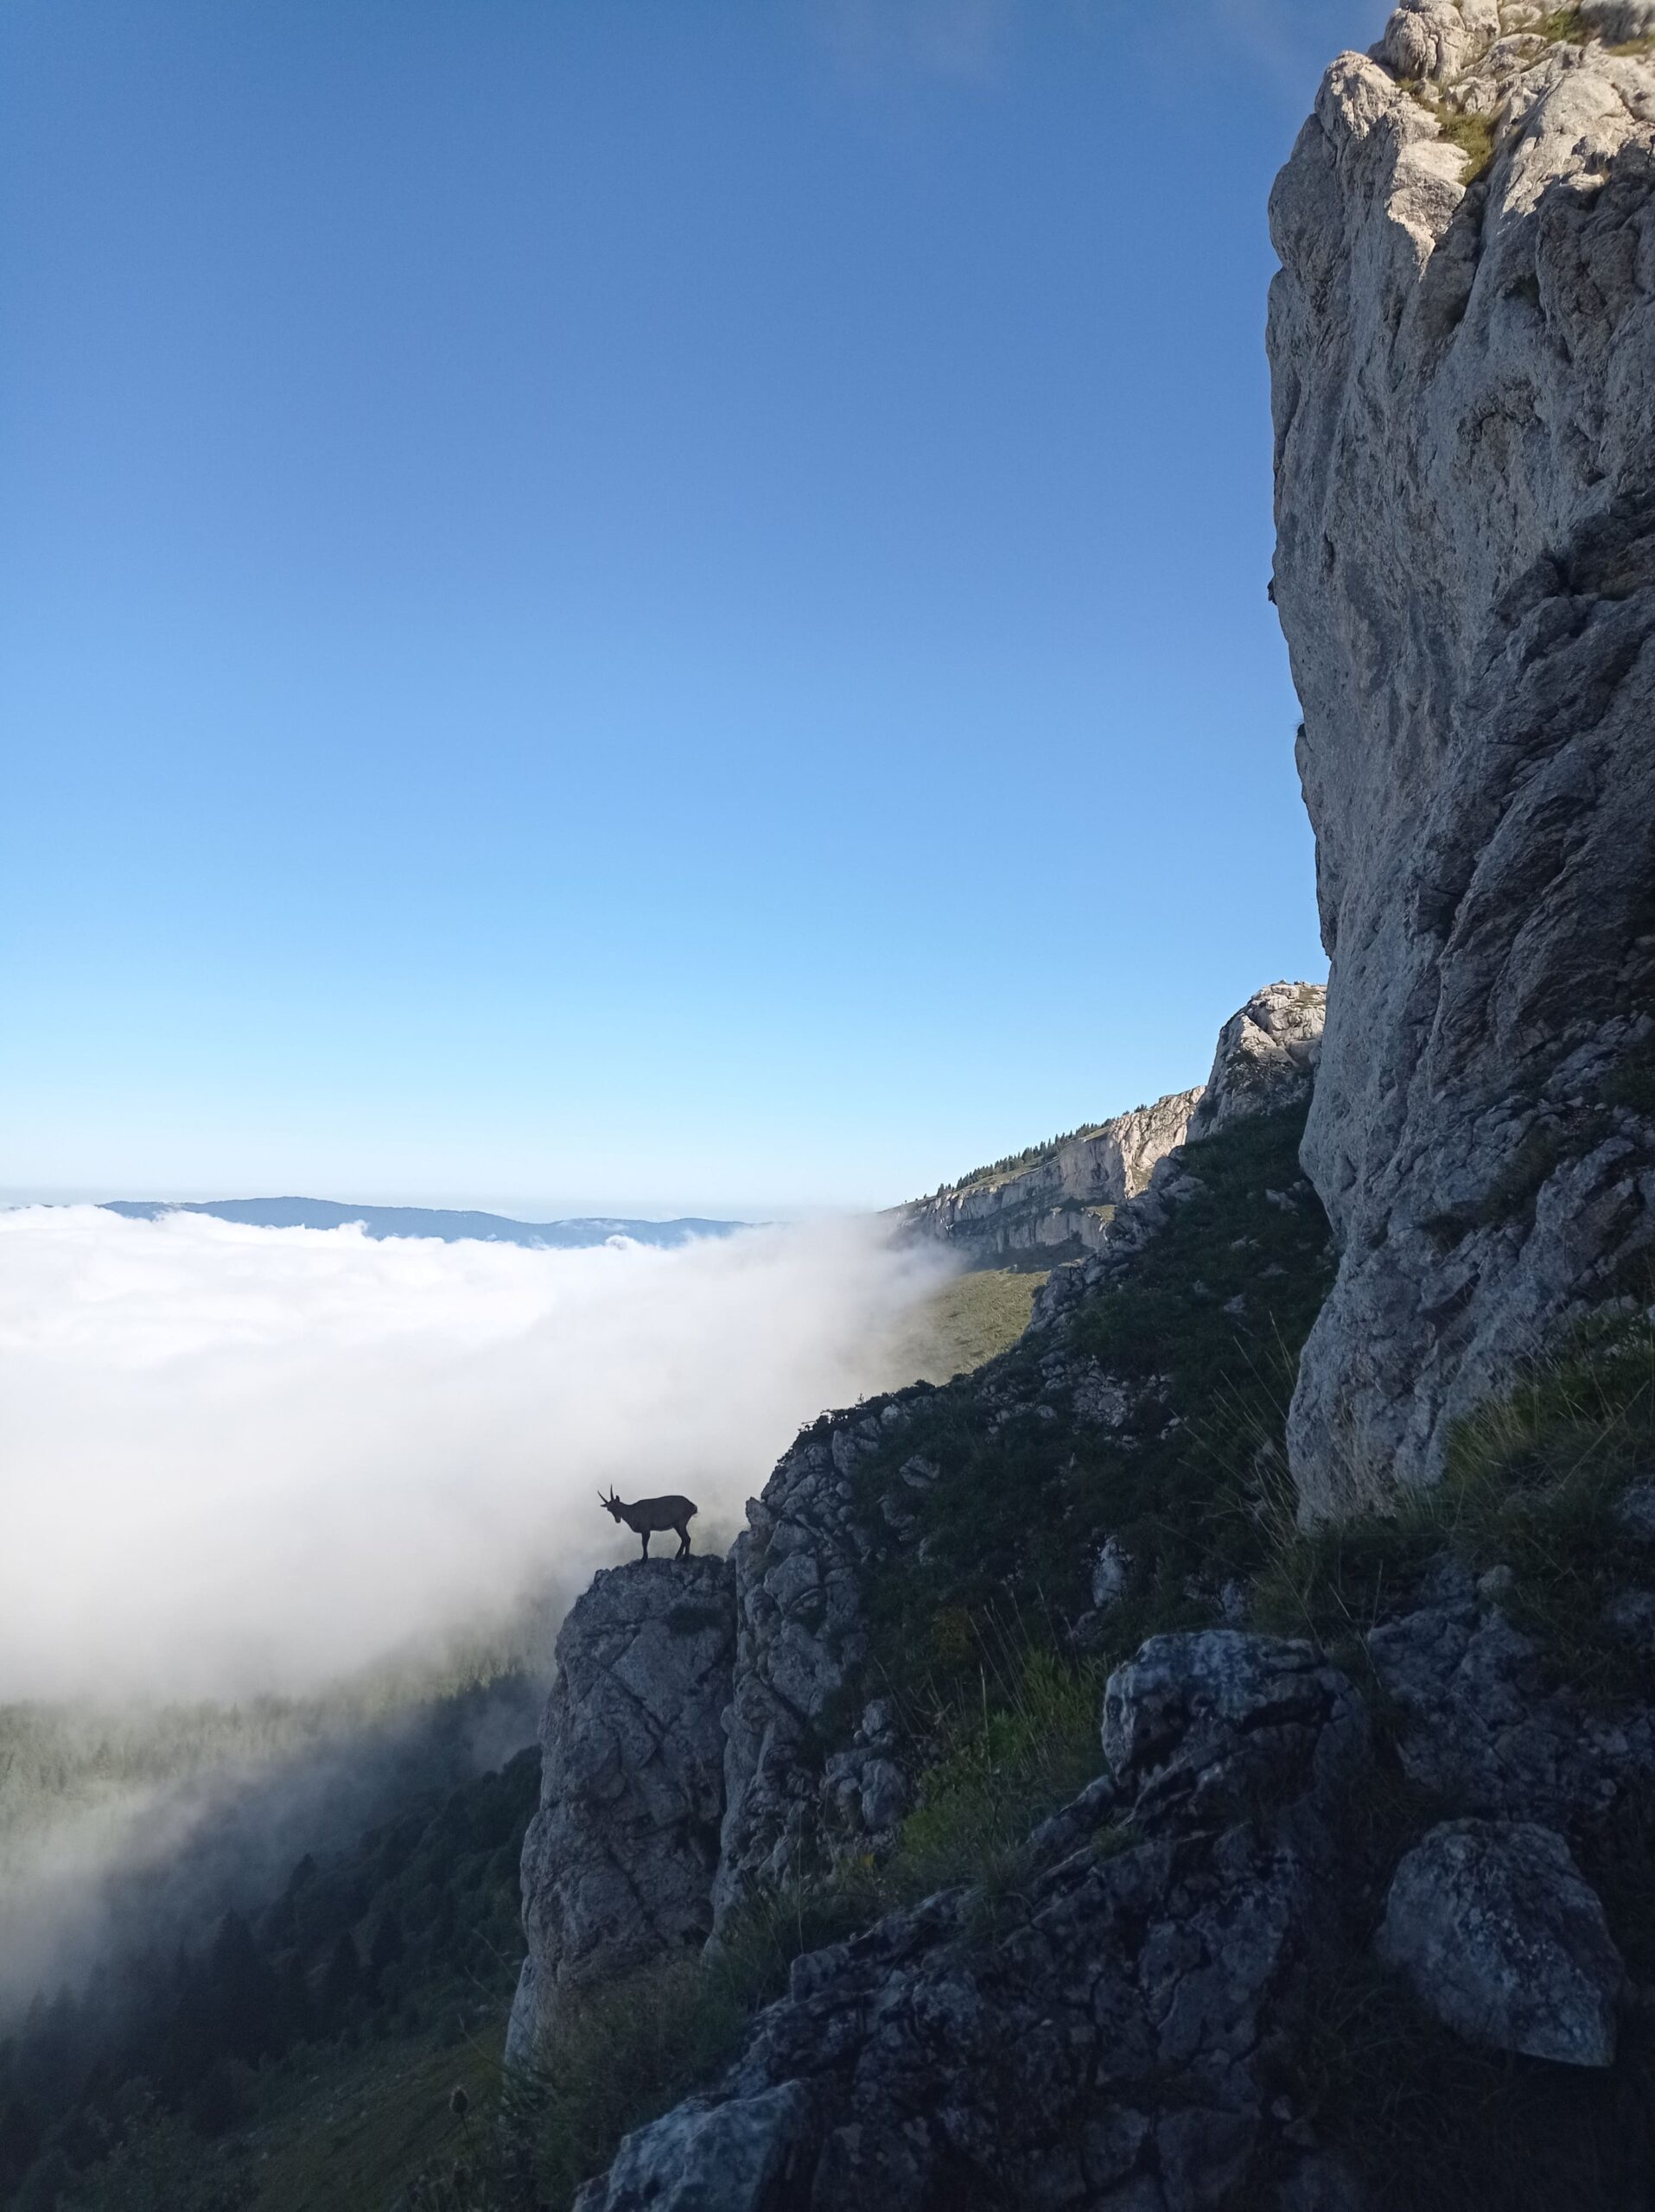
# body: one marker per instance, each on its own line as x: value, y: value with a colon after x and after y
x: 618, y: 1862
x: 800, y: 1641
x: 1463, y: 372
x: 1059, y: 1204
x: 1108, y: 2037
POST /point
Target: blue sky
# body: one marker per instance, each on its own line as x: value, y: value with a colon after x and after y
x: 649, y: 602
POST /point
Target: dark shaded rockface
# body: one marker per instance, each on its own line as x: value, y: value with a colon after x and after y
x: 900, y: 1543
x: 1067, y: 1489
x: 1295, y: 1948
x: 618, y: 1862
x: 1106, y: 2037
x: 1463, y: 368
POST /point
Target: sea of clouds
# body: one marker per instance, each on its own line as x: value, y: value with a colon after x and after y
x: 249, y: 1460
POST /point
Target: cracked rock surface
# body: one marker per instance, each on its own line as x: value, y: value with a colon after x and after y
x: 800, y: 1640
x: 1103, y: 2038
x: 618, y: 1862
x: 1463, y: 374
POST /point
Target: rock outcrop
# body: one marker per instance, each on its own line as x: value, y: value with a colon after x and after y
x: 618, y: 1863
x: 1057, y: 1204
x: 1479, y: 1723
x: 1266, y: 1056
x: 1109, y: 2038
x: 1462, y: 350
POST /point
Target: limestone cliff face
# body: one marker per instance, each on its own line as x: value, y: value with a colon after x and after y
x: 618, y: 1862
x: 1059, y: 1205
x: 1463, y: 364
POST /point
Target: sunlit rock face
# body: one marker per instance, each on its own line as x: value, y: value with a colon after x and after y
x: 1463, y: 366
x: 1266, y: 1056
x: 1058, y: 1204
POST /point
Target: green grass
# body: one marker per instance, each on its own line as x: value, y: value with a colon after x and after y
x: 351, y: 2137
x: 1531, y: 1483
x: 971, y: 1319
x: 1029, y: 1747
x: 1006, y: 1533
x: 1472, y: 134
x: 1564, y: 27
x: 620, y: 2056
x: 1434, y: 2124
x: 330, y: 2132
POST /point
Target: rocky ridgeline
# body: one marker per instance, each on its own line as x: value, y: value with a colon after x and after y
x: 1265, y: 1063
x: 1462, y: 350
x: 1182, y: 1997
x: 1057, y: 1205
x: 1060, y: 1204
x: 1134, y: 2018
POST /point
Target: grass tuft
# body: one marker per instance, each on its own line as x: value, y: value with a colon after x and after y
x: 1032, y: 1746
x: 1532, y: 1483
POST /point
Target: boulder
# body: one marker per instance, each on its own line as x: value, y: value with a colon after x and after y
x: 739, y: 2155
x: 1499, y: 1936
x: 1483, y: 1728
x: 1202, y: 1721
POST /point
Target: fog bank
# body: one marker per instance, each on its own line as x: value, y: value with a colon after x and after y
x: 245, y: 1460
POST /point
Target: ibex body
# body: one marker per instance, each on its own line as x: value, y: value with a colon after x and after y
x: 649, y: 1515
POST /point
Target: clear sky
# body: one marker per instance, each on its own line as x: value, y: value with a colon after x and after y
x: 652, y: 602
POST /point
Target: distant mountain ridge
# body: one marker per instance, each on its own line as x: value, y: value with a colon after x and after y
x: 452, y: 1225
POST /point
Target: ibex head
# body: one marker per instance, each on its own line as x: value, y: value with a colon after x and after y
x: 611, y: 1504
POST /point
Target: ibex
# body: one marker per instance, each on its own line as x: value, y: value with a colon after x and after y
x: 650, y: 1514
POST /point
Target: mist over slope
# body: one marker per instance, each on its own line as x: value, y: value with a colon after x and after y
x: 250, y: 1460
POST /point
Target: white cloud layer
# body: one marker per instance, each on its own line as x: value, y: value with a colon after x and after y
x: 247, y: 1459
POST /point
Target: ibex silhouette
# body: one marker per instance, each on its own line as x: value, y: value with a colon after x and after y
x: 650, y: 1514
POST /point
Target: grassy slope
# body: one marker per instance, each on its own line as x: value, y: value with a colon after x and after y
x: 351, y: 2135
x: 973, y: 1318
x: 1007, y: 1534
